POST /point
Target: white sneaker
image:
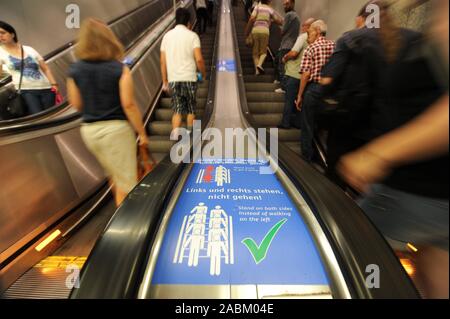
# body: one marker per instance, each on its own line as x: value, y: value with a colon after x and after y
x: 280, y: 91
x: 260, y: 69
x: 276, y: 82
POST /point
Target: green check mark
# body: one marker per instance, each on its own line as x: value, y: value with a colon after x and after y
x: 259, y: 253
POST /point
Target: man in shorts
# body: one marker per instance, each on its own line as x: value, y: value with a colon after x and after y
x: 181, y: 56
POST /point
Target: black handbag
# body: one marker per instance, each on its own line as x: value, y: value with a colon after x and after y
x: 15, y: 105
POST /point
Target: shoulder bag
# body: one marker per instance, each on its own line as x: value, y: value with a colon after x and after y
x: 16, y: 106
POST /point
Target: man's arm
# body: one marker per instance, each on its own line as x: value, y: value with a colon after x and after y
x: 296, y: 49
x: 291, y: 55
x: 200, y: 61
x: 164, y: 70
x: 129, y: 105
x: 305, y: 78
x: 277, y: 18
x: 305, y: 70
x: 336, y: 66
x: 424, y: 138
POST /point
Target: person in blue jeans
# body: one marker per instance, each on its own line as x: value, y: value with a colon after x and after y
x: 316, y: 56
x: 38, y: 85
x: 289, y: 32
x: 292, y: 62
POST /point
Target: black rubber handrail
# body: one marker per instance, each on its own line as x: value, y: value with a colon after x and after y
x: 117, y: 263
x: 71, y: 43
x: 355, y: 241
x: 14, y: 125
x: 115, y: 266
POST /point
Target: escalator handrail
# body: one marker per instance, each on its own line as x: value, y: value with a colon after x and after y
x: 114, y: 267
x: 117, y: 263
x: 343, y: 222
x: 28, y: 123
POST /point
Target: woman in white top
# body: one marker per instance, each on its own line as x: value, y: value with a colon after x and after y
x: 37, y: 81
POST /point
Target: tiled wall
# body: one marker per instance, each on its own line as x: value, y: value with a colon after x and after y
x: 413, y: 18
x: 340, y: 14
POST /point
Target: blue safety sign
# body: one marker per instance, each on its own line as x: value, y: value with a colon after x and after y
x: 233, y: 225
x: 226, y: 66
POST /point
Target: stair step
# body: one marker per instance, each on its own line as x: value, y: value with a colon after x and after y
x: 265, y: 97
x: 259, y: 78
x: 160, y: 144
x: 265, y: 107
x: 261, y: 87
x: 268, y: 120
x: 167, y: 114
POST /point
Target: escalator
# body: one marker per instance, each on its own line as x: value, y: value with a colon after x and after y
x: 219, y: 228
x: 69, y: 236
x: 264, y: 104
x: 131, y: 28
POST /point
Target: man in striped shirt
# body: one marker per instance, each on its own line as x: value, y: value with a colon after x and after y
x: 316, y: 56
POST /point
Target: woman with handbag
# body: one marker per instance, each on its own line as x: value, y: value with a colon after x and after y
x: 101, y: 87
x: 258, y: 31
x: 32, y: 77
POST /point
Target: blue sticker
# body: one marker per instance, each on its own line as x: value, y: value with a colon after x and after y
x: 128, y: 61
x: 226, y: 66
x: 234, y: 226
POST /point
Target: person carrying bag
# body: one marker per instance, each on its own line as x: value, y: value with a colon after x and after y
x: 16, y: 106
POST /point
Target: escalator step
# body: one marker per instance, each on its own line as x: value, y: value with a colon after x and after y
x: 160, y: 144
x: 265, y: 97
x: 292, y: 135
x: 269, y: 71
x: 268, y: 120
x: 295, y: 147
x: 167, y: 114
x: 266, y: 107
x: 160, y: 128
x: 258, y: 78
x: 261, y: 87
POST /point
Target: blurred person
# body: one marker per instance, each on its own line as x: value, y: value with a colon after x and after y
x: 38, y: 87
x: 404, y: 171
x: 259, y: 26
x: 101, y: 87
x: 289, y: 34
x: 248, y: 5
x: 202, y: 15
x: 363, y: 14
x: 293, y: 60
x: 181, y: 56
x: 211, y: 4
x: 308, y: 100
x: 347, y: 82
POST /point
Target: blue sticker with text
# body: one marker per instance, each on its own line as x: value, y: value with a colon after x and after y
x: 226, y: 66
x: 234, y: 226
